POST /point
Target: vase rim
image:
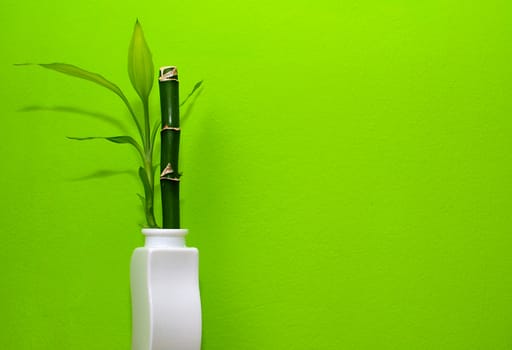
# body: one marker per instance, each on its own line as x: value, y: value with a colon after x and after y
x: 167, y: 232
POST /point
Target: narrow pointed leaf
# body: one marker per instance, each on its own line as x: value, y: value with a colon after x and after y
x: 140, y: 63
x: 115, y: 139
x: 194, y: 89
x: 78, y: 72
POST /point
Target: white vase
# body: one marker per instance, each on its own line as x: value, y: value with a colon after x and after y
x: 166, y: 306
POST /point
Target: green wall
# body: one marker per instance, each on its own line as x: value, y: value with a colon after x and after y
x: 347, y: 172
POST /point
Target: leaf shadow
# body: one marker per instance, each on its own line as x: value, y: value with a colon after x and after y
x: 190, y: 106
x: 74, y: 110
x: 101, y: 174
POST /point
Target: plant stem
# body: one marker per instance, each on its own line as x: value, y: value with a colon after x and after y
x: 147, y: 128
x: 170, y: 134
x: 134, y: 117
x: 150, y: 213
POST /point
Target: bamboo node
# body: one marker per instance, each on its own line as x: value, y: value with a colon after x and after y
x: 173, y: 128
x: 167, y: 170
x: 168, y: 73
x: 175, y: 179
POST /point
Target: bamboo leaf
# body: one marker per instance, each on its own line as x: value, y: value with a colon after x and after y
x: 140, y: 63
x: 80, y: 73
x: 115, y: 139
x: 194, y: 89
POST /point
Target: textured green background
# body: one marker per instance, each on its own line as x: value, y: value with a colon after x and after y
x: 347, y: 172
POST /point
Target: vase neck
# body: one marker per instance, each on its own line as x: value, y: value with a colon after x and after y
x: 164, y: 238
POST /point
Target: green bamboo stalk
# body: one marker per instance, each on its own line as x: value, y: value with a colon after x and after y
x: 170, y: 137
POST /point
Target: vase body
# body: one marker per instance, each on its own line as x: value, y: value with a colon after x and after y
x: 166, y: 307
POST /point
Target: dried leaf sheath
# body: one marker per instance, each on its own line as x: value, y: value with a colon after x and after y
x: 170, y: 137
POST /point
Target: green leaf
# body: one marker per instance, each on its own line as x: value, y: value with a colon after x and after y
x: 197, y: 86
x: 115, y: 139
x: 140, y: 63
x: 78, y: 72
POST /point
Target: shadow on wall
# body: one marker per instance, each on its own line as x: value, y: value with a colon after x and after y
x: 80, y: 111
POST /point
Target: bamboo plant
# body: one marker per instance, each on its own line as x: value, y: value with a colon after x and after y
x: 170, y: 143
x: 141, y: 72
